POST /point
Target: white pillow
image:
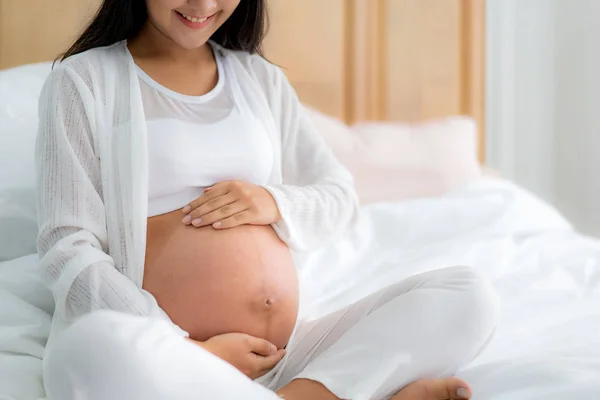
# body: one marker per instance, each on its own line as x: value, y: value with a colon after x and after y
x: 19, y: 92
x: 394, y: 161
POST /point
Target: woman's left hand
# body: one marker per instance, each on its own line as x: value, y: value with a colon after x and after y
x: 230, y: 204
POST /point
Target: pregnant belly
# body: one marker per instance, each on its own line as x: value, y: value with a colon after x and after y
x: 212, y: 282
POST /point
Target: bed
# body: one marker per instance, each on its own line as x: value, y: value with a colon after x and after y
x: 412, y: 68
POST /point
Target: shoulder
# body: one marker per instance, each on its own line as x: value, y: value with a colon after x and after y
x: 89, y: 67
x: 97, y: 57
x: 266, y: 74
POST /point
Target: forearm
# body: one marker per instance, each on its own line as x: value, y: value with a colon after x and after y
x: 314, y: 215
x: 83, y: 279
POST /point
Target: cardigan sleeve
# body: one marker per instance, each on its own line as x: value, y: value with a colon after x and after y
x: 72, y: 239
x: 316, y: 199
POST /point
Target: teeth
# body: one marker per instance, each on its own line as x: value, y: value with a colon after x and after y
x: 194, y: 19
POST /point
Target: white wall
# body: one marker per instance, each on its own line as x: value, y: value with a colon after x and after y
x: 544, y: 101
x: 578, y: 120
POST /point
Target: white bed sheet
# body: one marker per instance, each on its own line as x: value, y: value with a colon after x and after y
x: 25, y: 316
x: 546, y: 275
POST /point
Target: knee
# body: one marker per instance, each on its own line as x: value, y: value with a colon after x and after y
x: 480, y: 304
x: 89, y: 354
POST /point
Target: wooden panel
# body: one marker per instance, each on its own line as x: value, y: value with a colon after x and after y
x: 367, y: 68
x: 38, y: 30
x: 434, y: 52
x: 423, y: 52
x: 307, y: 39
x: 474, y: 67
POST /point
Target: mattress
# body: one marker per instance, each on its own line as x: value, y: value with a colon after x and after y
x: 547, y: 277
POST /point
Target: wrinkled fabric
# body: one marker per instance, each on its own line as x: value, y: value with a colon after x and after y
x: 427, y: 326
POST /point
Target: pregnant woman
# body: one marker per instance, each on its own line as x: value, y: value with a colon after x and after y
x: 177, y: 174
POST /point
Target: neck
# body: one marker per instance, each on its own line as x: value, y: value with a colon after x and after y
x: 152, y: 43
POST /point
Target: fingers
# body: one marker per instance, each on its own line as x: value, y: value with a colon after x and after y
x: 229, y: 204
x: 268, y: 363
x: 210, y: 206
x: 261, y: 346
x: 215, y: 191
x: 262, y: 365
x: 220, y: 214
x: 241, y: 218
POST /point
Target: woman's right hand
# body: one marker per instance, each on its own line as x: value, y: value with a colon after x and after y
x: 253, y: 356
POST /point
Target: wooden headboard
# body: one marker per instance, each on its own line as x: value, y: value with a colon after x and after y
x: 396, y: 60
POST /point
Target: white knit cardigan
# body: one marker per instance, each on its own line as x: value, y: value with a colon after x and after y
x: 92, y: 172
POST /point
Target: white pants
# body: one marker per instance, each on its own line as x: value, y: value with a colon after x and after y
x: 427, y: 326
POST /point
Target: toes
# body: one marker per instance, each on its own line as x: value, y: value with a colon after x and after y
x: 436, y: 389
x: 449, y: 388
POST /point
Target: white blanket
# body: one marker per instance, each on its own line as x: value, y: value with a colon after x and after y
x: 546, y: 275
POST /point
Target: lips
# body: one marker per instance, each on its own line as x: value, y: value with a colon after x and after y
x: 195, y: 20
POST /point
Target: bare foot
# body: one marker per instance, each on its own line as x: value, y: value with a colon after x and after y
x: 435, y: 389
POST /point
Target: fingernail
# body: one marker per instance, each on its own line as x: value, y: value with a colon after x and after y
x: 273, y: 348
x: 186, y: 209
x: 187, y: 219
x: 462, y: 393
x: 217, y: 225
x: 197, y: 221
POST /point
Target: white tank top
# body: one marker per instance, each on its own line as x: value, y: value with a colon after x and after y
x: 197, y: 141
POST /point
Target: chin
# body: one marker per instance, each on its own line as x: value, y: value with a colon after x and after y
x: 188, y: 44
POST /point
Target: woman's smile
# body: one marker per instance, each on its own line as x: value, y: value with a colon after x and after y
x: 195, y: 22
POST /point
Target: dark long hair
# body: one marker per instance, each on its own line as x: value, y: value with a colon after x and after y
x: 118, y: 20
